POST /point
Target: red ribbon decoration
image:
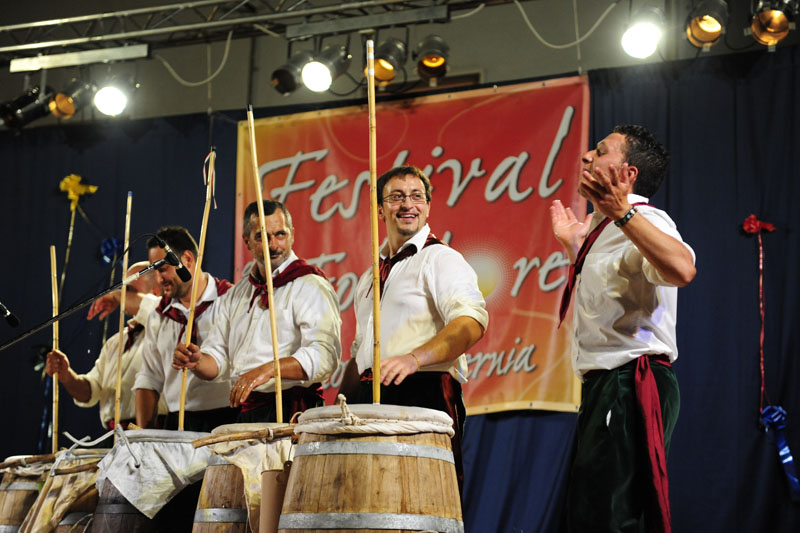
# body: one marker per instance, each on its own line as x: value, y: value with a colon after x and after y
x: 754, y: 226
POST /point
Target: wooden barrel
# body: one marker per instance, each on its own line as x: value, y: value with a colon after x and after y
x: 80, y: 513
x: 17, y: 494
x: 230, y: 499
x: 222, y: 505
x: 115, y: 513
x: 373, y: 481
x: 273, y: 490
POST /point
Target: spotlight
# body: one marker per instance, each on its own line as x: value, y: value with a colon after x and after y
x: 318, y: 75
x: 707, y: 22
x: 112, y: 99
x: 288, y: 78
x: 389, y: 58
x: 641, y: 38
x: 770, y: 23
x: 431, y: 55
x: 31, y: 105
x: 72, y: 99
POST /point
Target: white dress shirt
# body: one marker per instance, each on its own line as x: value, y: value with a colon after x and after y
x: 161, y: 338
x: 422, y: 294
x: 623, y: 307
x: 102, y: 378
x: 308, y: 324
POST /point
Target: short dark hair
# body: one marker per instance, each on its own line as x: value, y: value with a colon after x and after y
x: 399, y: 172
x: 270, y: 206
x: 649, y: 156
x: 177, y: 237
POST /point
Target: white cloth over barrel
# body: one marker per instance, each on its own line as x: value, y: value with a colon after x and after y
x: 373, y: 418
x: 167, y: 463
x: 253, y: 456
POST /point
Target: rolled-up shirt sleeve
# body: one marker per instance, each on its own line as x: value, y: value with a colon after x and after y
x: 151, y: 374
x: 316, y: 313
x: 453, y: 285
x: 665, y: 224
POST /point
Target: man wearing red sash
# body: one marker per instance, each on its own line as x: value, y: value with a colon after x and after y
x: 431, y: 308
x: 308, y: 322
x: 628, y: 262
x: 206, y: 403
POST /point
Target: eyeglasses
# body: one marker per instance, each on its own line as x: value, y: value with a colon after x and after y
x: 396, y: 198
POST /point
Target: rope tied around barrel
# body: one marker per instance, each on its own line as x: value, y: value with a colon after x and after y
x: 348, y: 418
x: 122, y: 437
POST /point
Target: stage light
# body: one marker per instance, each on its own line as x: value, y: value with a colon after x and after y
x: 431, y: 56
x: 287, y: 78
x: 389, y: 58
x: 112, y: 99
x: 771, y: 20
x: 75, y: 97
x: 641, y: 38
x: 318, y: 75
x: 31, y: 105
x: 707, y: 22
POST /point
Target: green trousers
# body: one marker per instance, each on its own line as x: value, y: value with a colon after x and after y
x: 609, y: 481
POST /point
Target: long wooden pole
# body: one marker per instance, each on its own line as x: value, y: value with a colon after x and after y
x: 373, y: 210
x: 118, y: 390
x: 273, y: 325
x: 54, y: 288
x: 198, y: 271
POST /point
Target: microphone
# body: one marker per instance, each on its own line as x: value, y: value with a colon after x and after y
x: 12, y: 320
x: 173, y: 260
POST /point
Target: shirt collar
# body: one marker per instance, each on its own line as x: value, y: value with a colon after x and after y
x: 417, y: 240
x: 289, y: 260
x: 209, y: 295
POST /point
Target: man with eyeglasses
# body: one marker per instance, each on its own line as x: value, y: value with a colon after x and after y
x: 431, y: 308
x: 307, y: 316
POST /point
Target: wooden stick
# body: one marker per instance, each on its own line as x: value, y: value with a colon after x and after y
x: 373, y: 210
x: 118, y: 391
x: 198, y: 270
x: 54, y: 283
x: 273, y: 325
x: 20, y: 461
x: 76, y: 469
x: 277, y: 433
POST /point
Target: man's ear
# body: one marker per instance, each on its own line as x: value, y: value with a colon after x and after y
x: 187, y: 259
x: 380, y: 212
x: 631, y: 175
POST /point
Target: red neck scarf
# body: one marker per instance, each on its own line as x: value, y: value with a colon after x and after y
x: 175, y: 314
x: 133, y: 331
x: 388, y: 262
x: 577, y: 266
x: 296, y: 269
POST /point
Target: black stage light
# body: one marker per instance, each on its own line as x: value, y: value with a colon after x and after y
x: 771, y: 20
x: 288, y: 78
x: 431, y: 55
x: 707, y: 22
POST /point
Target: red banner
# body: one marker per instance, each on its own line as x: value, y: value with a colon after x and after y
x: 497, y: 158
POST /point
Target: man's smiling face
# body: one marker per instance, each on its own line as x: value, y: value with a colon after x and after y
x: 407, y: 217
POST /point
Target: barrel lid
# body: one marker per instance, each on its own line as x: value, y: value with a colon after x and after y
x: 374, y: 418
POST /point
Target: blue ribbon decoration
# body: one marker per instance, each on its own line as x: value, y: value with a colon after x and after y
x: 774, y: 417
x: 111, y: 248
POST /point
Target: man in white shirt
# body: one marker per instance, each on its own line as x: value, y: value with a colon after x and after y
x: 206, y: 403
x: 431, y: 309
x: 308, y: 324
x: 99, y: 385
x: 624, y: 336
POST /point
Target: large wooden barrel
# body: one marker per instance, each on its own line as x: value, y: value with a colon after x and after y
x: 385, y: 468
x: 115, y: 513
x: 231, y: 496
x: 222, y: 505
x: 70, y: 486
x: 17, y: 494
x: 151, y: 469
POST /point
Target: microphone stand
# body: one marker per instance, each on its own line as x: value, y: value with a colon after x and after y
x: 81, y: 305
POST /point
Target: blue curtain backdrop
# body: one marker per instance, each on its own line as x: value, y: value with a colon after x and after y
x: 732, y: 125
